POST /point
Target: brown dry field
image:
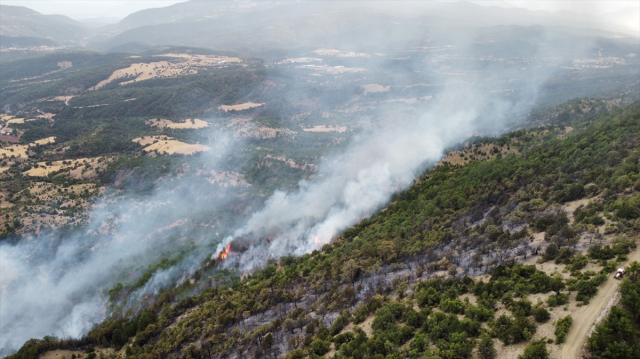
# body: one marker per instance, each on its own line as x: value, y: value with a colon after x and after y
x: 188, y: 123
x: 323, y: 128
x: 20, y: 151
x: 46, y: 115
x: 167, y: 145
x: 239, y: 107
x: 145, y: 71
x: 15, y: 120
x: 44, y: 141
x: 160, y: 69
x: 77, y: 168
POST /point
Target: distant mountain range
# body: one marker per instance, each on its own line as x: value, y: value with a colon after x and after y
x: 19, y: 21
x: 253, y: 26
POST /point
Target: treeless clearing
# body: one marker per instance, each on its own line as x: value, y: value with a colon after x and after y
x: 64, y: 65
x: 324, y: 128
x: 409, y: 100
x: 372, y: 88
x: 63, y: 98
x: 298, y: 60
x: 339, y: 53
x: 167, y: 145
x: 18, y: 151
x: 204, y: 60
x: 15, y: 120
x: 46, y: 115
x: 146, y: 71
x: 188, y: 123
x: 45, y: 141
x: 239, y: 107
x: 335, y: 70
x: 79, y: 167
x: 159, y: 69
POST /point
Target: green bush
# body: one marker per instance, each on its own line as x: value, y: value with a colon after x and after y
x: 615, y: 337
x: 537, y: 349
x: 557, y: 300
x: 540, y: 314
x: 562, y: 328
x: 319, y: 347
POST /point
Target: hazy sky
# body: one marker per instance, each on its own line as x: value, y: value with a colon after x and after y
x: 116, y: 8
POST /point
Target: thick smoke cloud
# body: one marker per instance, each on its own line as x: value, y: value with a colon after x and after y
x: 359, y: 182
x: 58, y: 287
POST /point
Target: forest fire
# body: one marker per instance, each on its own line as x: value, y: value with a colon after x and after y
x: 226, y: 251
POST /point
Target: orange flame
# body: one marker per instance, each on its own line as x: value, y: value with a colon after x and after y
x: 226, y: 251
x: 317, y: 240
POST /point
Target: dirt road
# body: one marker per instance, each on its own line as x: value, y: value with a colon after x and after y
x: 585, y: 316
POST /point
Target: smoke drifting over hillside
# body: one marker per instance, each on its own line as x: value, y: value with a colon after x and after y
x: 359, y: 182
x: 52, y: 286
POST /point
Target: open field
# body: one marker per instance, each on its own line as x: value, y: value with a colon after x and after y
x: 46, y: 115
x: 239, y: 107
x: 168, y: 146
x: 65, y: 99
x: 17, y: 151
x: 298, y: 60
x: 15, y: 120
x: 20, y: 151
x: 146, y: 71
x: 186, y: 65
x: 204, y: 60
x: 339, y: 53
x: 333, y: 70
x: 187, y: 124
x: 324, y: 128
x: 81, y: 168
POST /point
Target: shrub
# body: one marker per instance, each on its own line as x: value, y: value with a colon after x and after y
x: 558, y: 299
x: 540, y: 314
x: 319, y: 347
x: 537, y: 349
x: 615, y: 337
x: 551, y: 252
x: 562, y: 328
x: 486, y: 349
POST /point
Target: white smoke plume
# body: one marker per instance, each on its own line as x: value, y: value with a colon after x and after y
x: 59, y: 288
x: 354, y: 185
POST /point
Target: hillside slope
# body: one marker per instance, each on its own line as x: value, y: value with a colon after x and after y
x: 22, y: 21
x: 516, y: 197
